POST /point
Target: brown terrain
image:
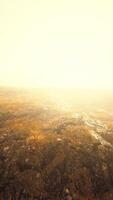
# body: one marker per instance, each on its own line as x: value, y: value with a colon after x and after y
x: 55, y: 145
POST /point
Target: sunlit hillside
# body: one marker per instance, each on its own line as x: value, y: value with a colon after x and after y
x: 56, y: 144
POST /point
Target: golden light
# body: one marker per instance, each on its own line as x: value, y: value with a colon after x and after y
x: 56, y: 43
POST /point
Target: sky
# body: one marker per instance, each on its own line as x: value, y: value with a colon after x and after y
x: 63, y: 43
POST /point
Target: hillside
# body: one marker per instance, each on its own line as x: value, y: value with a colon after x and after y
x: 50, y: 150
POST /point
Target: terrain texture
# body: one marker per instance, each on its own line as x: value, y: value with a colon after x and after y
x: 55, y: 151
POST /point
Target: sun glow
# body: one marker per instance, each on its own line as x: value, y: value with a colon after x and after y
x: 56, y: 43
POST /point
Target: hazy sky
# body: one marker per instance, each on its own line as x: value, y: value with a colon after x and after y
x: 63, y: 43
